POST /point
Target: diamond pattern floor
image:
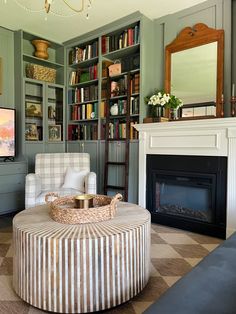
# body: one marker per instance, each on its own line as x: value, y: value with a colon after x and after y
x: 173, y: 253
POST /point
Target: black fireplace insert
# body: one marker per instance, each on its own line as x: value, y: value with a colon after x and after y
x: 188, y: 192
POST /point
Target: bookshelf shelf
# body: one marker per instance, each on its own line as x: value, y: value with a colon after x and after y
x: 35, y: 60
x: 121, y: 53
x: 84, y: 63
x: 83, y: 120
x: 91, y: 82
x: 118, y: 97
x: 84, y: 102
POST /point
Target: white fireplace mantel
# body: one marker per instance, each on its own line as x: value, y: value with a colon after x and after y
x: 207, y: 137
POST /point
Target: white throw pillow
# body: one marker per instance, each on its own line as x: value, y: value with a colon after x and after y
x: 74, y: 179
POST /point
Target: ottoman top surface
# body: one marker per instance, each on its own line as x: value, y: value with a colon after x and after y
x: 36, y: 221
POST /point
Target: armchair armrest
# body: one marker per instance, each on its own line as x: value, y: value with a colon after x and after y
x: 32, y: 189
x: 91, y: 183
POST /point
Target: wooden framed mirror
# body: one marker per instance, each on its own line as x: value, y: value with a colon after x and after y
x: 194, y: 64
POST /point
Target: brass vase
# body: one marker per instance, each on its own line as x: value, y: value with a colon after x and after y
x: 41, y: 47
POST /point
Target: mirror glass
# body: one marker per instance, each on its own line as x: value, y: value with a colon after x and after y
x: 194, y: 74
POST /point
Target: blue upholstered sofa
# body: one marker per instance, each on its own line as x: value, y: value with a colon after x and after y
x: 209, y: 288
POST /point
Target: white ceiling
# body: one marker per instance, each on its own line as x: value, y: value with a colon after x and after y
x: 102, y: 12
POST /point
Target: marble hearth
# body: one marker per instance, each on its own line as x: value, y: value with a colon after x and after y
x: 207, y: 137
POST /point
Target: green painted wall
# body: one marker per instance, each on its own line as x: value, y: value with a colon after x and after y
x: 7, y: 55
x: 215, y: 14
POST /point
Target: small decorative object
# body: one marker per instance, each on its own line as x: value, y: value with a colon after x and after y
x: 233, y: 101
x: 64, y: 209
x: 33, y: 109
x: 84, y: 201
x: 114, y: 110
x: 115, y: 69
x: 54, y: 132
x: 159, y: 101
x: 222, y: 102
x: 156, y: 103
x: 39, y: 72
x: 31, y: 132
x: 41, y: 47
x: 174, y: 104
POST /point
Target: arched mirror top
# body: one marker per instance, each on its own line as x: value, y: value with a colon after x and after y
x: 194, y: 68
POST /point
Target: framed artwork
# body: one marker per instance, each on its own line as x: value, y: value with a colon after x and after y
x: 54, y: 132
x: 33, y: 109
x: 31, y: 132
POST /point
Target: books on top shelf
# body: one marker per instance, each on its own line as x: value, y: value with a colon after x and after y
x: 84, y: 112
x: 83, y: 75
x: 83, y: 94
x: 78, y: 54
x: 126, y: 38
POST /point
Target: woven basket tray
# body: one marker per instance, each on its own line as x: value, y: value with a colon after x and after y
x: 63, y: 210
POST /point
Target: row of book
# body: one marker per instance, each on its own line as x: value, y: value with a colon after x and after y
x: 83, y: 75
x: 83, y: 94
x: 84, y: 112
x: 122, y: 107
x: 117, y: 130
x: 79, y: 54
x: 135, y: 83
x: 128, y: 37
x: 87, y: 131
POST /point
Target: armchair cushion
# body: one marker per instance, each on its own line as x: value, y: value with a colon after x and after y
x: 75, y: 179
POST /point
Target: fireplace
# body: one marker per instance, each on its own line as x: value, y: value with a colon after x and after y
x: 188, y: 192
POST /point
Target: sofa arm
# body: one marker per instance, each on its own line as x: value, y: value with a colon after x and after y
x: 91, y: 183
x: 32, y: 189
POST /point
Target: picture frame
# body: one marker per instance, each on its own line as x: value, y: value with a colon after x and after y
x: 31, y: 132
x: 33, y: 109
x: 54, y: 132
x: 1, y: 75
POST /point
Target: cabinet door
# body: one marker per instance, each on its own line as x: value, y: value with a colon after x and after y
x: 54, y: 116
x: 34, y: 111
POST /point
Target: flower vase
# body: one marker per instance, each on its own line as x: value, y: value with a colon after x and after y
x: 174, y: 113
x: 155, y: 111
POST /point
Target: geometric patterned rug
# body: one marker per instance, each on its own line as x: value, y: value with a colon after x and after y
x: 174, y: 252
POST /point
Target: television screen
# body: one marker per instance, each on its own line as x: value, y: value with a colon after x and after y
x: 7, y: 132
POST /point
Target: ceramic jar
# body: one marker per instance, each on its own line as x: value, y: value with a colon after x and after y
x: 114, y: 110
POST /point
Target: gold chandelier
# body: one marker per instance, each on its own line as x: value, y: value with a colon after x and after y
x: 62, y: 8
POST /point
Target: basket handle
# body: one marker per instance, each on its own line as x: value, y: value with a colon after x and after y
x: 48, y: 195
x: 116, y: 198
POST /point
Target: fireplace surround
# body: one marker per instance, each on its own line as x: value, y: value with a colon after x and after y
x: 207, y: 137
x: 188, y: 192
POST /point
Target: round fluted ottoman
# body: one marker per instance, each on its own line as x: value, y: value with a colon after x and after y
x: 80, y: 268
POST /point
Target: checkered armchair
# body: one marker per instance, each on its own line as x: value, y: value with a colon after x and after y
x: 49, y: 176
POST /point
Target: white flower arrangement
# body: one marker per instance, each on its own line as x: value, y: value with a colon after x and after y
x: 159, y: 99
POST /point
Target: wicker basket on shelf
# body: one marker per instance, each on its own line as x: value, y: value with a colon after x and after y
x: 63, y: 209
x: 39, y: 72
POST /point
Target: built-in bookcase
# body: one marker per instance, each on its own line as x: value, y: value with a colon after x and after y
x: 41, y: 100
x: 130, y: 41
x: 83, y: 86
